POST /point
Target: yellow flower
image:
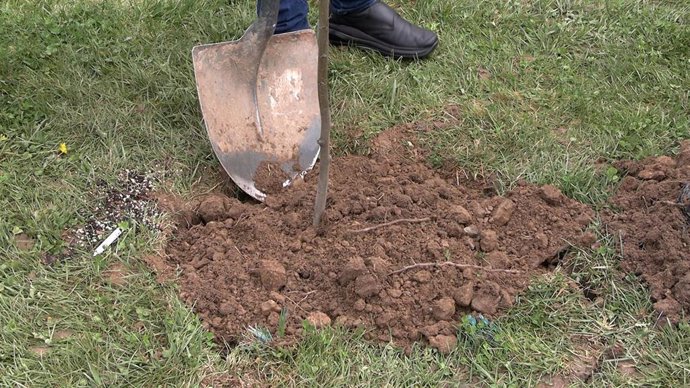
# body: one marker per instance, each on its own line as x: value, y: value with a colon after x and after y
x: 63, y: 148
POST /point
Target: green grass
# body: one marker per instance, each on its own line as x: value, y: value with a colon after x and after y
x: 569, y: 83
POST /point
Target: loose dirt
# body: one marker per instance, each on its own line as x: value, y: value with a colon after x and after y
x: 650, y: 219
x: 269, y: 178
x: 389, y: 219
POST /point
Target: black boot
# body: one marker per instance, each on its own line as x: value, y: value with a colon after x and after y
x: 380, y: 28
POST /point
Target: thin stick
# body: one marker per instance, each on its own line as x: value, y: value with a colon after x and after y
x: 420, y: 265
x: 408, y: 220
x: 324, y: 141
x: 681, y: 205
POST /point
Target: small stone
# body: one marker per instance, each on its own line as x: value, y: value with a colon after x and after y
x: 318, y: 319
x: 272, y: 274
x: 422, y: 276
x: 489, y: 240
x: 503, y: 212
x: 269, y: 306
x: 367, y: 286
x: 354, y: 268
x: 444, y: 343
x: 551, y: 195
x: 463, y: 295
x: 471, y: 231
x: 444, y: 309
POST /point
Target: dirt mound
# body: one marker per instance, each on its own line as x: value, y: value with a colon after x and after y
x: 651, y: 222
x: 403, y: 254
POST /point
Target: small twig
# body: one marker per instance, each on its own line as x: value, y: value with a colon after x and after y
x: 238, y: 251
x: 295, y: 303
x: 306, y: 296
x: 479, y: 267
x: 409, y: 220
x: 672, y: 204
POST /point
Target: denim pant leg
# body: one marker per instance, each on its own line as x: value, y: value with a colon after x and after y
x: 342, y: 7
x: 293, y: 13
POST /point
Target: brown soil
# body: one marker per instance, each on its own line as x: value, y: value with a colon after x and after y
x: 651, y: 223
x: 241, y: 264
x: 116, y: 274
x: 269, y: 178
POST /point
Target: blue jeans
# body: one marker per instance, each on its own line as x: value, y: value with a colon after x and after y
x: 293, y: 13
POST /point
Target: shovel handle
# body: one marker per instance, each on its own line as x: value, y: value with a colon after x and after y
x: 267, y: 17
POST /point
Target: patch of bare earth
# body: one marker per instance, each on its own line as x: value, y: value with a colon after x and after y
x: 116, y: 274
x: 404, y: 252
x: 651, y: 219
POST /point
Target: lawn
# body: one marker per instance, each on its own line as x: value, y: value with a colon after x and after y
x: 543, y: 90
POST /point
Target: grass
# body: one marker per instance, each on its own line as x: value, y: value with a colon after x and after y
x: 537, y: 90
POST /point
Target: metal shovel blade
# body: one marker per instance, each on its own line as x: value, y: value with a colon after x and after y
x: 260, y: 107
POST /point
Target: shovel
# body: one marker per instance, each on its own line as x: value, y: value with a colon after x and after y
x: 259, y: 101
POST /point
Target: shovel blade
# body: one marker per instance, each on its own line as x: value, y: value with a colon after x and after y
x: 270, y: 120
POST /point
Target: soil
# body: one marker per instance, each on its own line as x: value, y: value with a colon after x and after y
x: 116, y: 274
x: 269, y: 178
x: 404, y: 252
x: 651, y: 219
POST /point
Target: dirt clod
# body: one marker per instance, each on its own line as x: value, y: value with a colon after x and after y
x: 354, y: 268
x: 486, y: 300
x: 272, y: 274
x: 212, y: 208
x: 444, y: 309
x: 444, y: 343
x: 460, y: 214
x: 318, y: 319
x: 503, y: 212
x: 422, y: 276
x: 24, y: 242
x: 463, y: 295
x: 489, y: 240
x: 270, y: 306
x: 367, y: 286
x: 551, y: 195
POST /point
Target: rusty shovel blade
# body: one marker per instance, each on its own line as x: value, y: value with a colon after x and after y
x: 261, y: 107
